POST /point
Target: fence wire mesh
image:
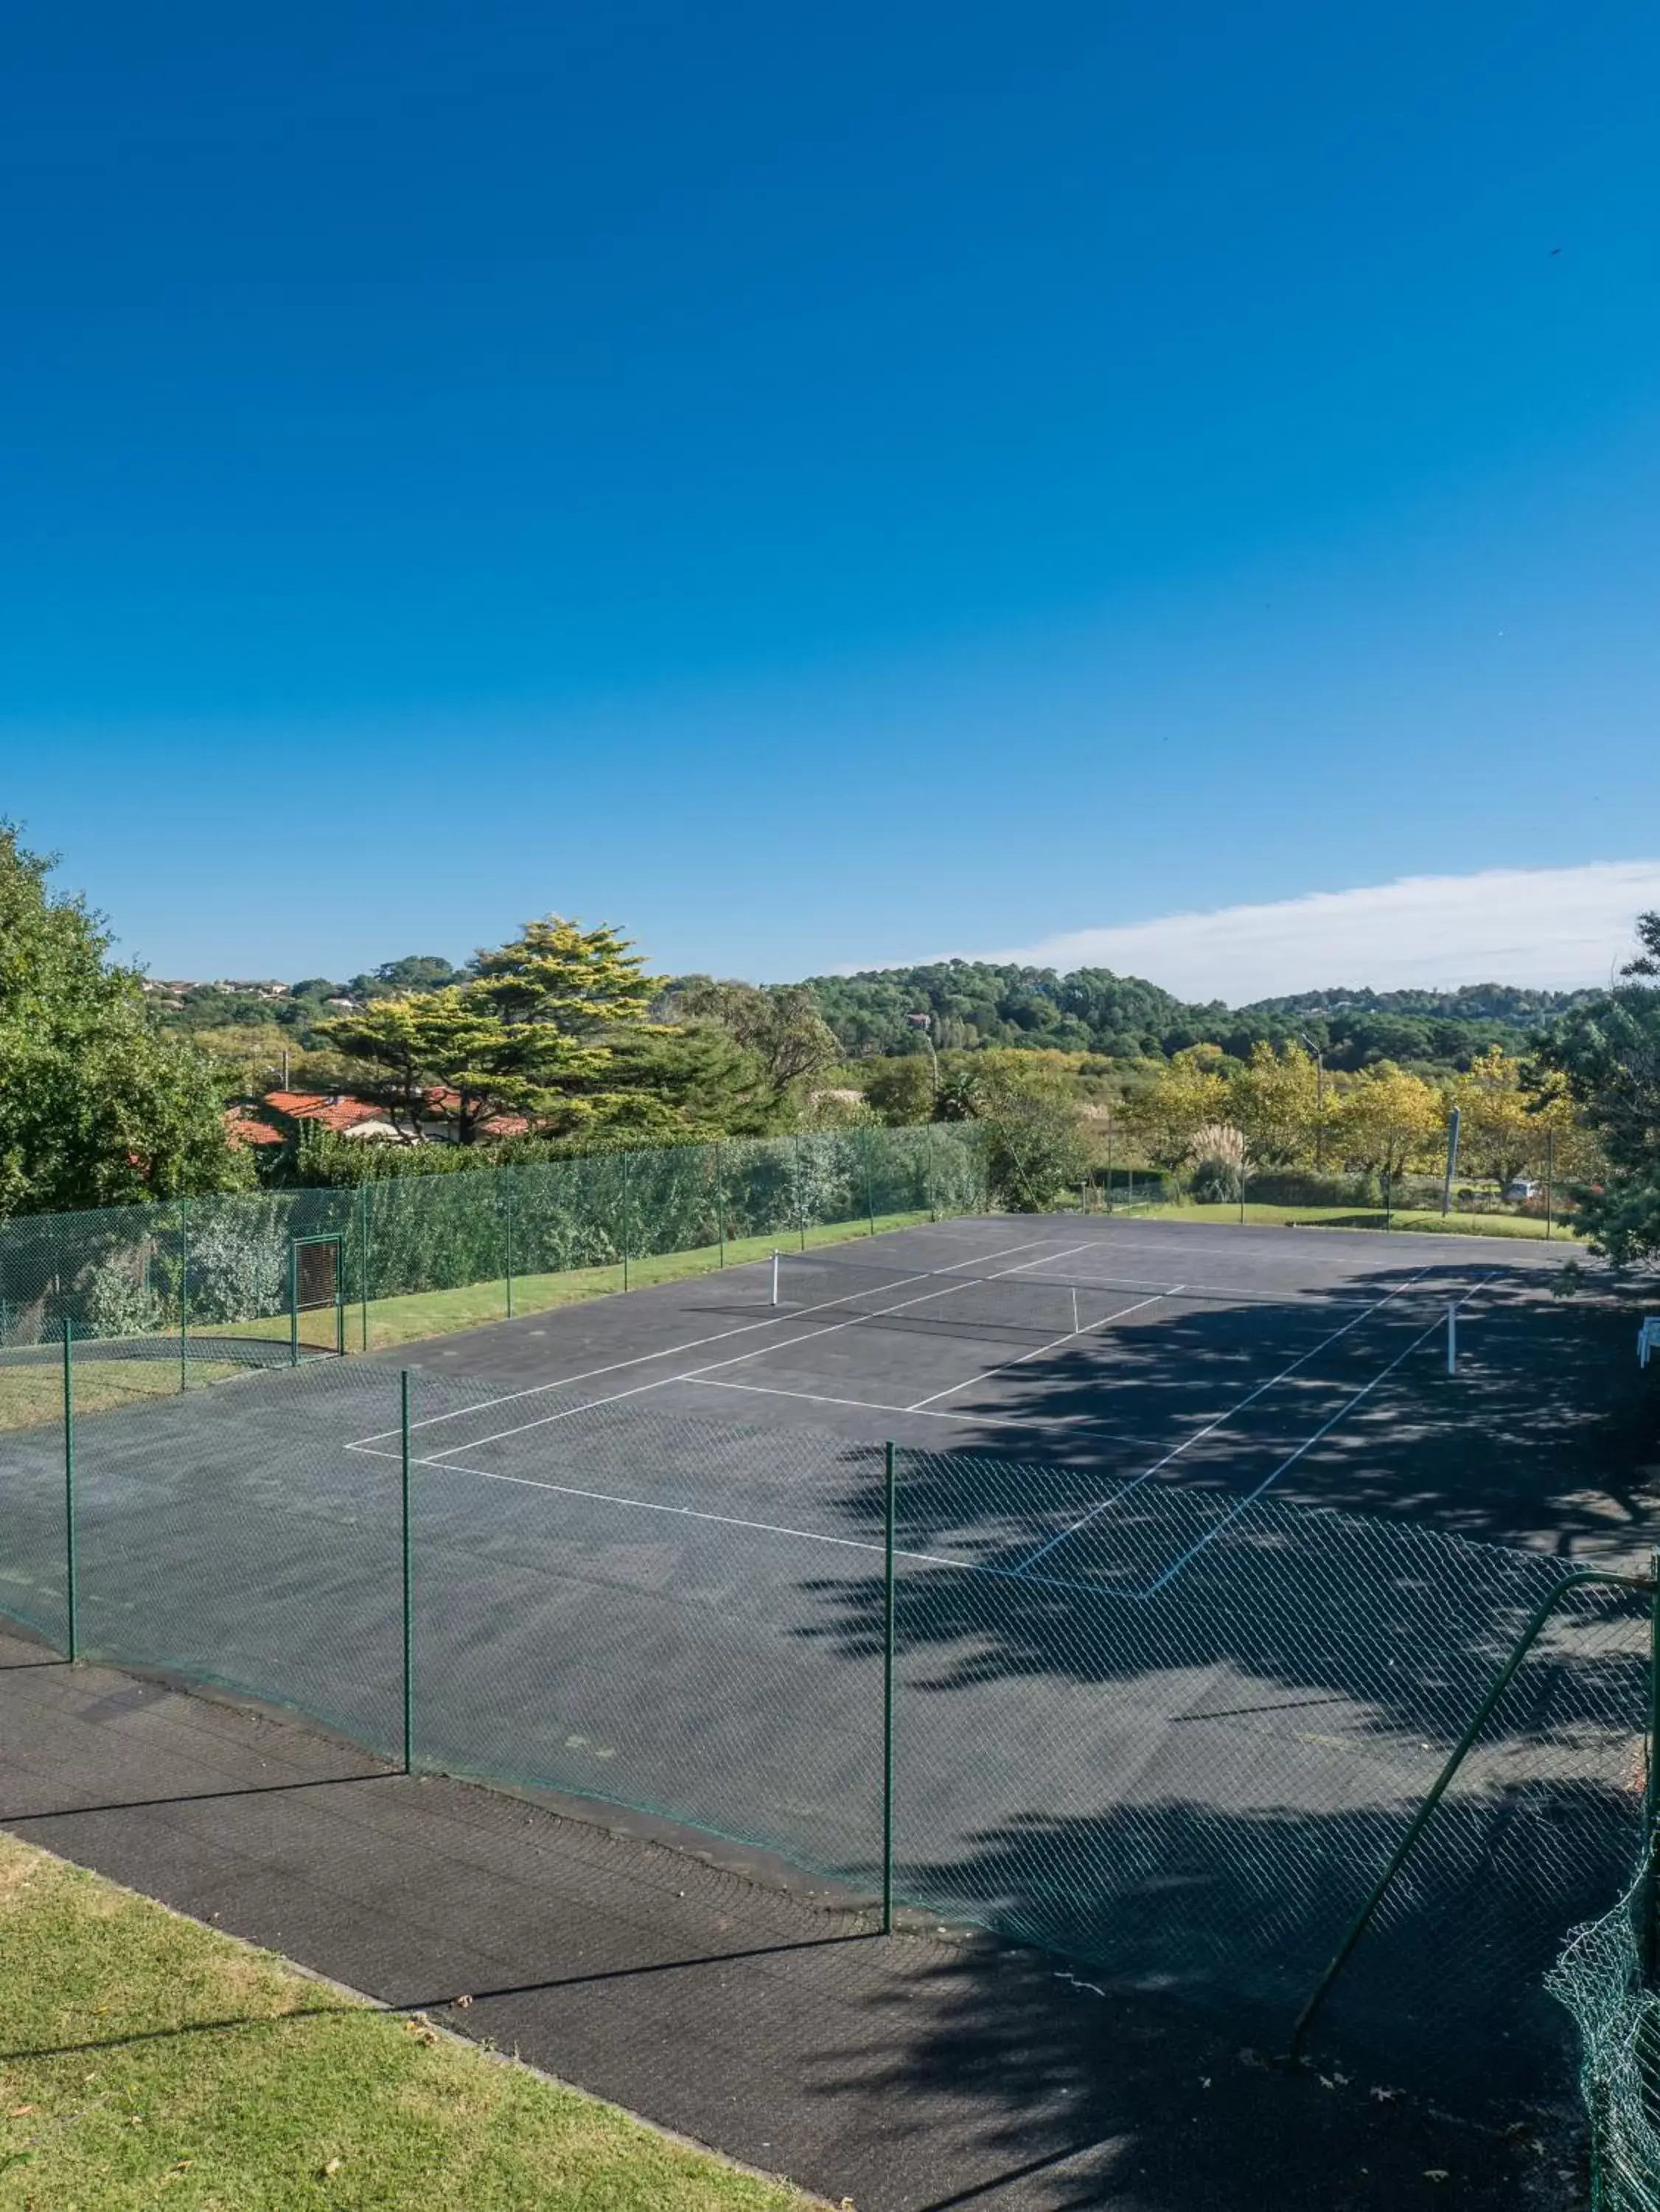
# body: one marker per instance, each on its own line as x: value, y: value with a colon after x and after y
x: 1178, y: 1744
x: 1602, y: 1979
x: 212, y: 1278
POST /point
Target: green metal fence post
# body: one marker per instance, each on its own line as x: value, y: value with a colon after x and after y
x: 869, y: 1193
x: 720, y: 1199
x: 801, y: 1198
x: 507, y: 1207
x: 1550, y: 1181
x: 1579, y: 1578
x: 409, y: 1592
x: 71, y: 1591
x: 184, y: 1289
x: 293, y: 1299
x: 363, y: 1263
x: 625, y: 1221
x: 888, y: 1696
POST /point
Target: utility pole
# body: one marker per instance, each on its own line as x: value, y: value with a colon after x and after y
x: 1453, y: 1120
x: 1319, y: 1100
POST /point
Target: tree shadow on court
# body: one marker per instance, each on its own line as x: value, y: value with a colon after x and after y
x: 1177, y: 1735
x: 1547, y: 1436
x: 1107, y: 2084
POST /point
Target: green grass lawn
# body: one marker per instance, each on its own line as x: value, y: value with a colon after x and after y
x: 149, y: 2062
x: 1349, y: 1216
x: 32, y: 1396
x: 439, y: 1313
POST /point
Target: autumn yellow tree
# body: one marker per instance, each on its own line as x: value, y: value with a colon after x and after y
x: 1275, y: 1098
x: 1388, y: 1121
x: 1188, y: 1093
x: 1498, y: 1133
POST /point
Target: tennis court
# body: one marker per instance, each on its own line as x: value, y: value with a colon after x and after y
x: 1310, y: 1366
x: 1147, y: 1709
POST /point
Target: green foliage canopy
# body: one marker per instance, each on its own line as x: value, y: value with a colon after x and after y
x: 532, y: 1033
x: 97, y: 1106
x: 1605, y: 1055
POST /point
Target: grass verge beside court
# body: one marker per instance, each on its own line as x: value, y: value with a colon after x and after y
x: 440, y: 1313
x: 32, y: 1396
x: 1349, y: 1216
x: 149, y: 2061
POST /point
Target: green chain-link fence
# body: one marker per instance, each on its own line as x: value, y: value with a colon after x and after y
x: 1608, y: 1986
x: 1175, y: 1739
x: 216, y: 1278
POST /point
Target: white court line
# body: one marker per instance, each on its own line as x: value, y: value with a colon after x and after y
x: 1221, y: 1420
x: 672, y: 1350
x: 757, y: 1352
x: 1308, y: 1443
x: 646, y: 1504
x: 692, y: 1513
x: 1054, y: 1344
x: 868, y: 1406
x: 1019, y: 1573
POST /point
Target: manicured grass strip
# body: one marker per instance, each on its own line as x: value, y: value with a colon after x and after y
x: 1348, y: 1217
x: 421, y: 1313
x: 145, y: 2060
x: 32, y: 1396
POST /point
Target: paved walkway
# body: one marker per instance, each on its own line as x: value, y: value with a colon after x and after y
x: 917, y: 2074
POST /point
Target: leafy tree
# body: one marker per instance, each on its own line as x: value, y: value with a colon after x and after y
x: 962, y: 1088
x: 396, y: 978
x: 445, y: 1040
x: 1389, y: 1121
x: 1190, y: 1092
x: 97, y: 1106
x: 1501, y: 1128
x: 686, y: 1087
x: 779, y: 1022
x: 1275, y: 1098
x: 1647, y: 962
x: 901, y: 1093
x: 1036, y: 1141
x: 584, y: 983
x: 1604, y: 1055
x: 533, y: 1034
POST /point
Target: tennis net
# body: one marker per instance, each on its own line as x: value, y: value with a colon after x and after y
x: 1017, y: 1302
x: 953, y: 1300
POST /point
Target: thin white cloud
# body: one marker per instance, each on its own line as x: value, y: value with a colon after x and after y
x: 1556, y: 928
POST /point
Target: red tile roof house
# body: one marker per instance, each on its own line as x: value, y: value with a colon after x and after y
x: 273, y: 1119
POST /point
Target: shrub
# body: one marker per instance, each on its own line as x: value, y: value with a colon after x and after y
x: 1215, y: 1180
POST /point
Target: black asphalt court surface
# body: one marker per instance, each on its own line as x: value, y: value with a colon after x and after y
x: 909, y: 2074
x: 646, y: 1577
x: 1309, y: 1364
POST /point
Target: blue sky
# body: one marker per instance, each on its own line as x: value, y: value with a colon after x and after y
x: 820, y: 488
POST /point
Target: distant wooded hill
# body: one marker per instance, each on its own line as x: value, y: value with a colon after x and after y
x: 970, y: 1003
x: 975, y: 1003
